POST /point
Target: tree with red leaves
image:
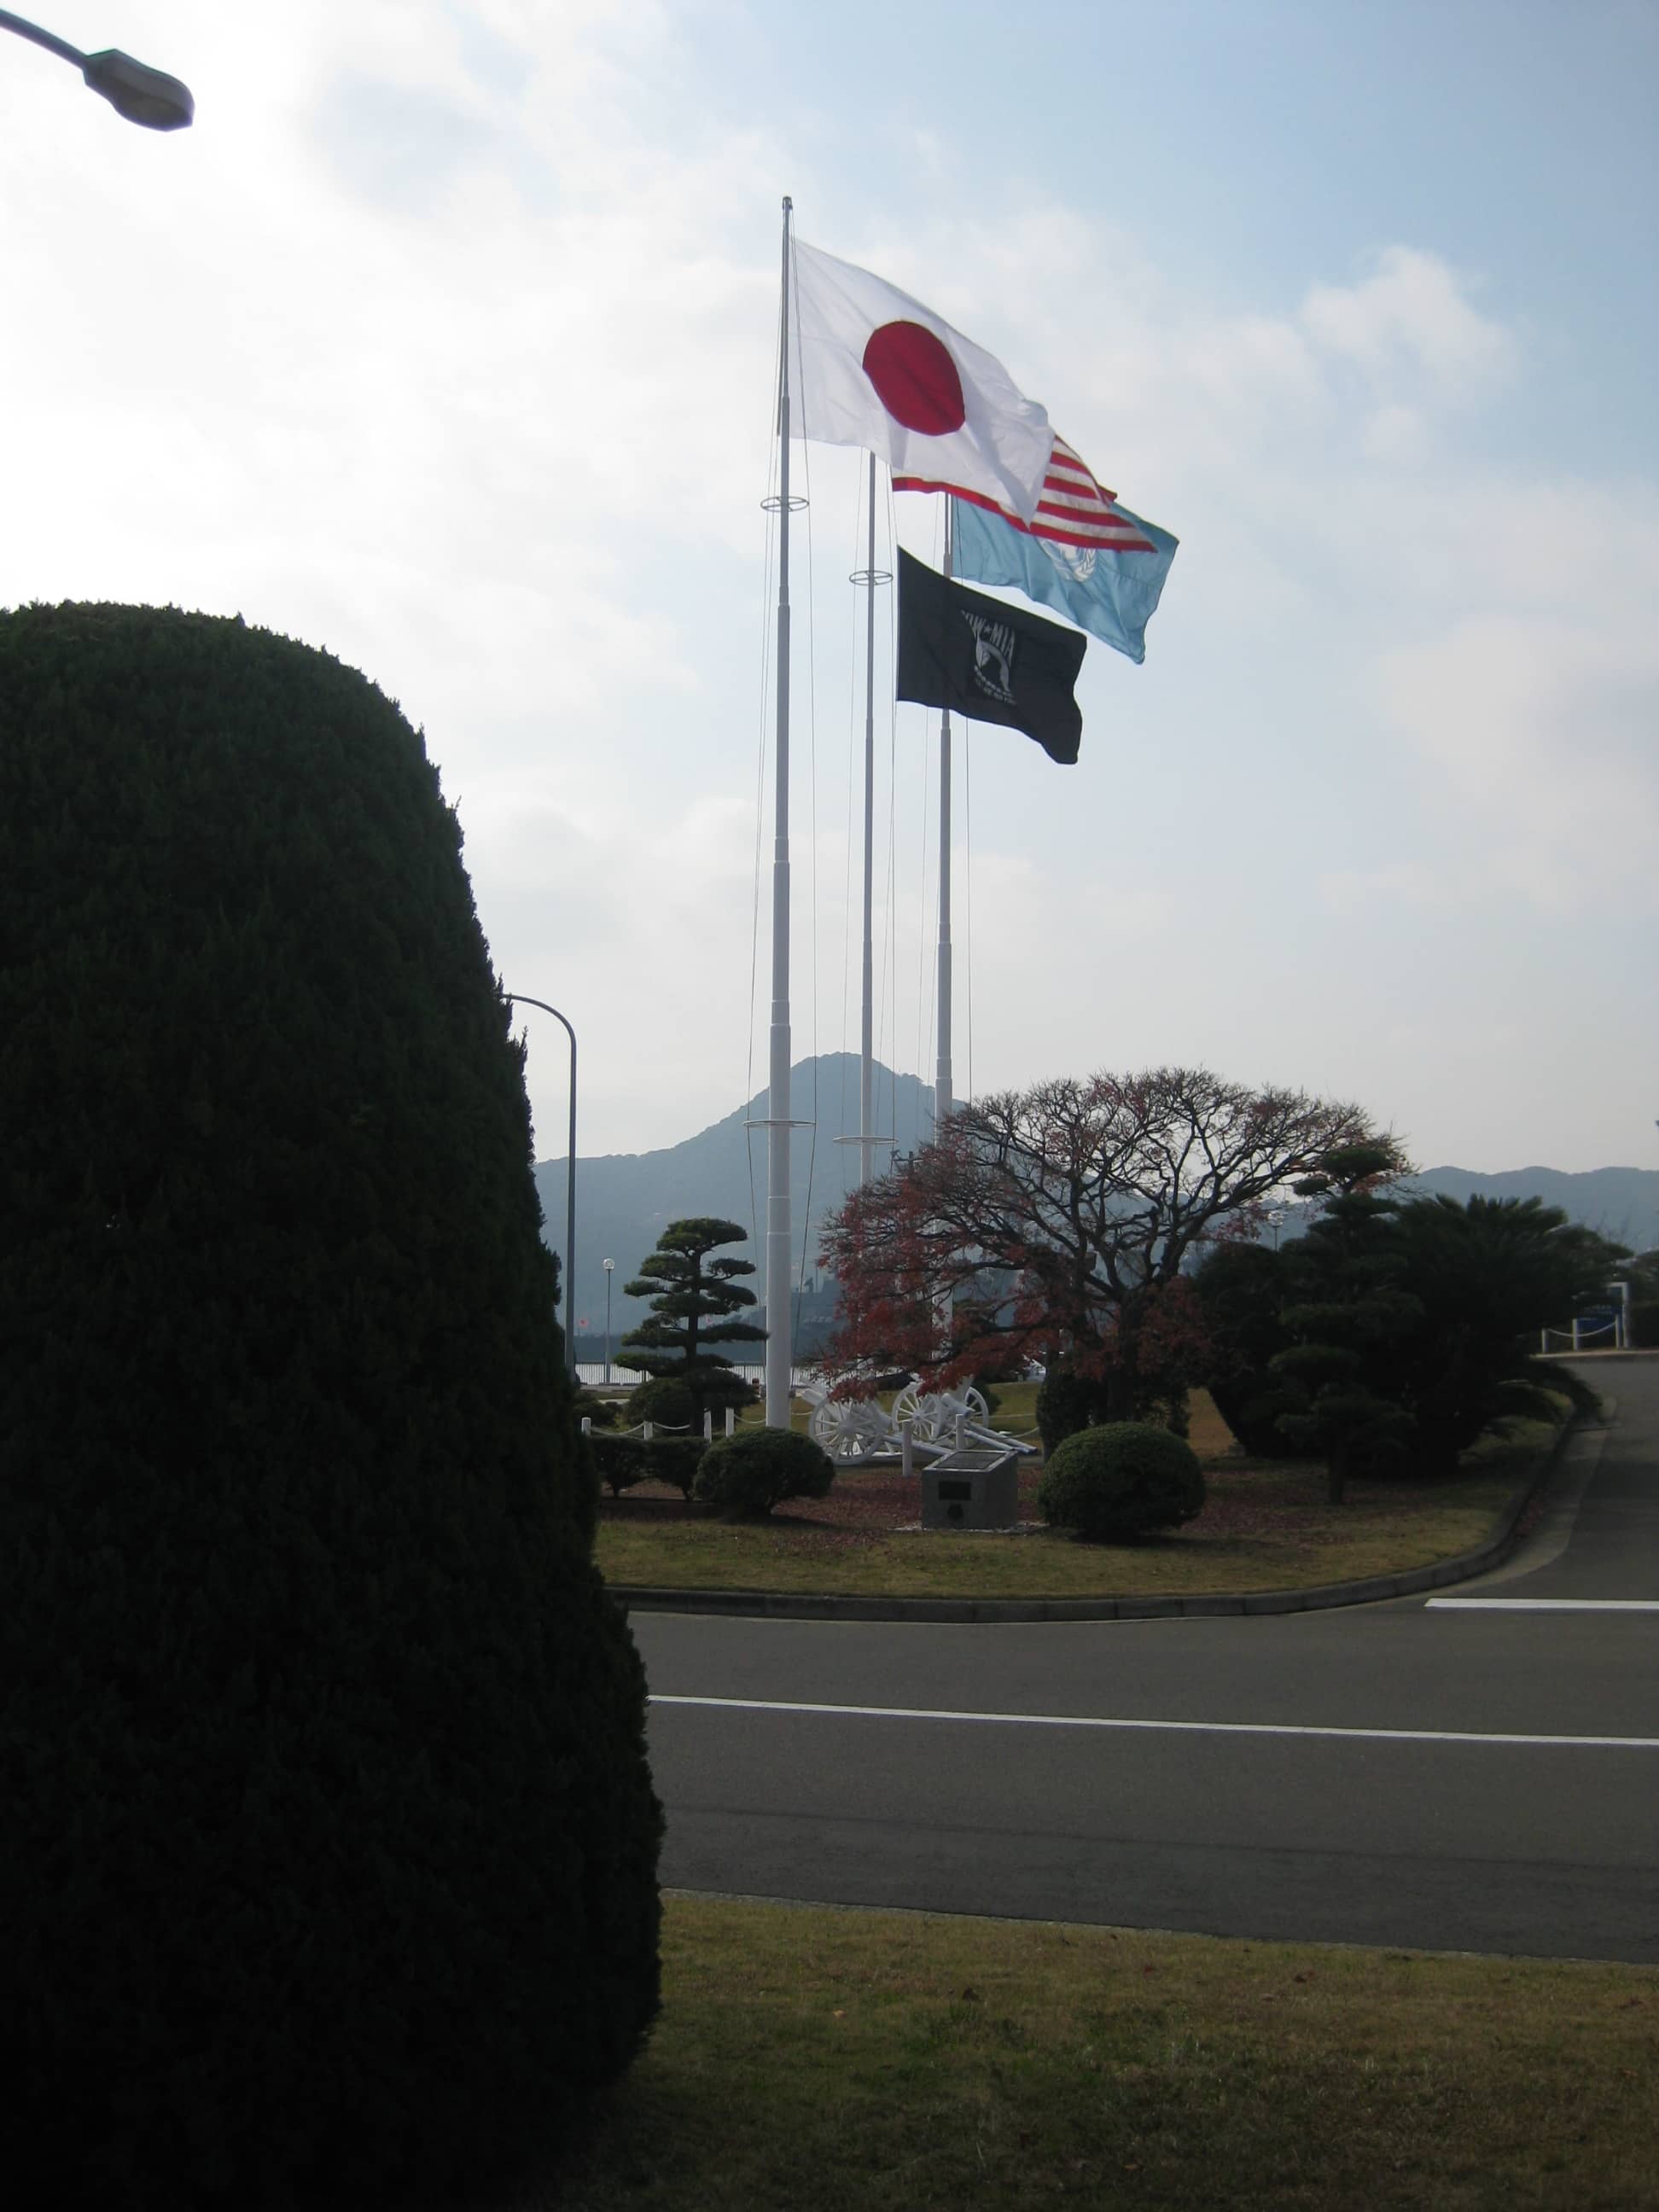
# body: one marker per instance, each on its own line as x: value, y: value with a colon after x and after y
x: 1054, y: 1223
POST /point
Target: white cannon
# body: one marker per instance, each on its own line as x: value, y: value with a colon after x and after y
x: 851, y: 1429
x: 856, y: 1430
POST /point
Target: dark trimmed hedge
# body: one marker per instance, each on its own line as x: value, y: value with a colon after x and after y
x: 1119, y: 1481
x: 328, y: 1856
x: 758, y: 1468
x: 621, y: 1460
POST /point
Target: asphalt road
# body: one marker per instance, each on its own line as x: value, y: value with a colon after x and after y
x: 1448, y: 1777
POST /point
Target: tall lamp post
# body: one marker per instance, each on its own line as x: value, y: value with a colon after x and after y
x: 519, y: 999
x: 144, y: 95
x: 609, y: 1270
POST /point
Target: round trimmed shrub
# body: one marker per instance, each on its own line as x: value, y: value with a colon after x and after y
x: 603, y: 1413
x: 755, y: 1469
x: 664, y: 1401
x: 327, y: 1870
x: 1116, y: 1483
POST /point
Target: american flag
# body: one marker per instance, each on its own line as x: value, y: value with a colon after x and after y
x: 1074, y: 510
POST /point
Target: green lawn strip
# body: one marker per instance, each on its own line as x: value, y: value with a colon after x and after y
x: 1294, y: 1540
x: 879, y: 2062
x: 803, y: 1557
x: 1264, y: 1528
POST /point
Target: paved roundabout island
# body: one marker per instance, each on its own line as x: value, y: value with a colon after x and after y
x: 1476, y: 1769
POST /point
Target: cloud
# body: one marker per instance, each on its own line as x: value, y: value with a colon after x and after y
x: 1413, y: 312
x: 1542, y: 731
x: 1344, y: 890
x: 444, y: 339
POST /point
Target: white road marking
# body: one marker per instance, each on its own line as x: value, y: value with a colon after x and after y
x: 1186, y: 1728
x: 1547, y: 1604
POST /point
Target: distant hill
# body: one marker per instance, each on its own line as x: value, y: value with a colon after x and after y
x: 624, y: 1200
x: 1622, y: 1203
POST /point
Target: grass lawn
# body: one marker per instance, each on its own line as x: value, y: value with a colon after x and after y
x: 879, y: 2062
x: 1263, y: 1528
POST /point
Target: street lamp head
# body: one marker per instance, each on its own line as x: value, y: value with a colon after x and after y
x: 608, y: 1264
x: 142, y: 94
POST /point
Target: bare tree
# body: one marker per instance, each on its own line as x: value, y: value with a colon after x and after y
x: 1055, y: 1224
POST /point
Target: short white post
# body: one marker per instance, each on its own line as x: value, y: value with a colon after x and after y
x: 1543, y: 1341
x: 708, y: 1428
x: 1575, y: 1332
x: 587, y: 1425
x: 645, y: 1427
x: 730, y: 1420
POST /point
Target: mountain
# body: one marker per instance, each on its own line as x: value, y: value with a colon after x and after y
x: 1622, y: 1203
x: 625, y: 1199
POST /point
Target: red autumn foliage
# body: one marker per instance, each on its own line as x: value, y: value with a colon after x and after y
x: 1054, y: 1223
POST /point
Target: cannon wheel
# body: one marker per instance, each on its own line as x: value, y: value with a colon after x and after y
x: 932, y: 1413
x: 848, y: 1428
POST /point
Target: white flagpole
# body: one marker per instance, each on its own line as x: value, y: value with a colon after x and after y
x: 778, y: 1346
x: 942, y: 1100
x: 867, y: 1139
x: 867, y: 1033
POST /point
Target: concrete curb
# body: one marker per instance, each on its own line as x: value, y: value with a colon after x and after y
x: 777, y: 1605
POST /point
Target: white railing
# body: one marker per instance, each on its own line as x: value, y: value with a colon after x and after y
x: 592, y: 1371
x: 647, y: 1429
x: 1579, y: 1336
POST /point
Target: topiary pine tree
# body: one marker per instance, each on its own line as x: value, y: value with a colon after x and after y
x: 693, y: 1300
x: 327, y: 1868
x: 1348, y: 1314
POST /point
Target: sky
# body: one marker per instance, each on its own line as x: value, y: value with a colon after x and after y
x: 446, y: 339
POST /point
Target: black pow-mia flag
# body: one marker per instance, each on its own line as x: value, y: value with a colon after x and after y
x: 991, y: 662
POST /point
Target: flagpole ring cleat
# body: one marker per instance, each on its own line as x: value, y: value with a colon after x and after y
x: 772, y: 502
x: 871, y: 576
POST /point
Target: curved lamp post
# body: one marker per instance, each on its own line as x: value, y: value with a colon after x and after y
x: 518, y: 999
x: 142, y: 94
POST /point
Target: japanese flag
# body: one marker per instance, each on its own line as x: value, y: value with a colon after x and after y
x: 877, y: 369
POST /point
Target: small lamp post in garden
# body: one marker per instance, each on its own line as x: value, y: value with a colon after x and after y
x: 143, y: 95
x: 609, y: 1270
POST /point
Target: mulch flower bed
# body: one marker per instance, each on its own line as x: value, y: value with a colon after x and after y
x: 866, y: 1508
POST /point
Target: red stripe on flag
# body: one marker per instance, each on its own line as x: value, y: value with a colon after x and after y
x: 957, y: 492
x: 1102, y: 524
x: 1101, y: 529
x: 1057, y: 500
x: 1054, y: 537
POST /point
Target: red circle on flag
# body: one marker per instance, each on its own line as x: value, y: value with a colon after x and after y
x: 915, y: 379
